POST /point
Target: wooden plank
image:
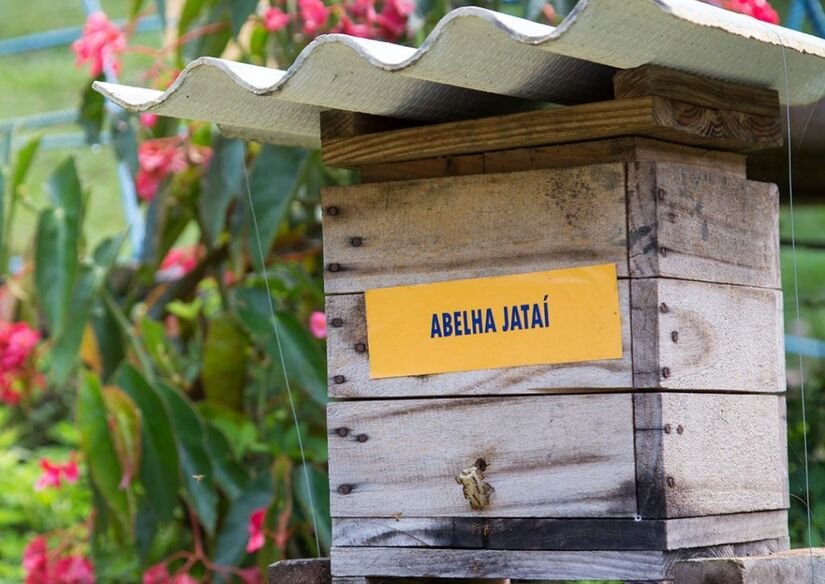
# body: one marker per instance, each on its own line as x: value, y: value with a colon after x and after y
x: 686, y: 222
x: 558, y: 534
x: 390, y: 580
x: 428, y: 168
x: 629, y: 149
x: 652, y: 117
x: 472, y: 226
x: 567, y: 456
x: 305, y: 571
x: 799, y: 566
x: 680, y: 86
x: 348, y: 363
x: 343, y: 124
x: 710, y: 337
x: 710, y: 454
x: 530, y: 565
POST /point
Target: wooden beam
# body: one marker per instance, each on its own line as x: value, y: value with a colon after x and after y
x: 652, y: 117
x: 701, y: 91
x: 309, y: 571
x: 800, y: 566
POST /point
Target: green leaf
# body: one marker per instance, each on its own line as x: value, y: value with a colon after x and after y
x: 56, y: 245
x: 231, y: 543
x: 92, y: 112
x: 99, y: 449
x: 231, y: 477
x: 125, y: 426
x: 191, y: 11
x: 23, y: 161
x: 273, y: 183
x: 159, y: 468
x: 239, y: 11
x: 86, y: 288
x: 224, y: 362
x: 318, y: 486
x: 222, y: 184
x: 304, y: 360
x: 198, y: 474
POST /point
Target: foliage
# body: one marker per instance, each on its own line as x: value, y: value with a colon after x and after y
x: 146, y: 403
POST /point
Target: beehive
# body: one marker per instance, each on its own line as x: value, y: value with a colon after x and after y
x: 600, y: 469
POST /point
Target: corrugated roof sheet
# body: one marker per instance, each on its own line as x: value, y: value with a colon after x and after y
x: 479, y: 62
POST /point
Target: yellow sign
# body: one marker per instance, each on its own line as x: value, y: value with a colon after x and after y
x: 559, y: 316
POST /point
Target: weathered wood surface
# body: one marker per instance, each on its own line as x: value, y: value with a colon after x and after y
x: 708, y: 454
x: 308, y: 571
x: 547, y: 456
x: 648, y: 116
x: 712, y: 93
x: 711, y: 337
x: 629, y: 149
x: 800, y: 566
x: 391, y: 580
x: 348, y: 362
x: 545, y: 565
x: 558, y: 534
x: 686, y: 222
x: 465, y: 227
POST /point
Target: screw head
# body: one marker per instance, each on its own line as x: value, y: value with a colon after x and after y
x: 671, y: 482
x: 674, y: 336
x: 336, y: 322
x: 332, y: 211
x: 342, y: 431
x: 345, y: 489
x: 339, y: 379
x: 362, y: 438
x: 360, y: 348
x: 665, y: 372
x: 334, y: 267
x: 356, y: 242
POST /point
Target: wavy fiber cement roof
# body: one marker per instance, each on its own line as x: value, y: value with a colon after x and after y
x: 479, y: 62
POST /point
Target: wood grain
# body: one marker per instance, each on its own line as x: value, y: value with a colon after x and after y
x: 799, y: 566
x: 567, y: 456
x: 727, y: 338
x: 688, y: 88
x: 348, y: 357
x: 471, y: 226
x: 530, y: 565
x: 652, y: 117
x: 686, y: 222
x: 709, y: 454
x: 558, y: 534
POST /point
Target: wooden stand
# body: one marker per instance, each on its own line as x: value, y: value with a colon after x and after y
x: 605, y: 470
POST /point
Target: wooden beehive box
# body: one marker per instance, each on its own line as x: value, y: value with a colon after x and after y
x: 606, y: 469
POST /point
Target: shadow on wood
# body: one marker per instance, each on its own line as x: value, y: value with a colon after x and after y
x: 316, y: 571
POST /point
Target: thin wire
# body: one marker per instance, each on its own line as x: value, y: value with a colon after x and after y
x: 283, y: 363
x: 796, y: 303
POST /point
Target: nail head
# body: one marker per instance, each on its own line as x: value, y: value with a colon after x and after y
x: 332, y: 211
x: 360, y: 348
x: 660, y: 194
x: 334, y: 267
x: 356, y: 242
x: 339, y: 379
x: 674, y: 336
x: 665, y: 372
x: 671, y: 482
x: 663, y: 308
x: 345, y: 489
x: 336, y: 322
x: 667, y: 428
x: 342, y: 431
x: 362, y: 438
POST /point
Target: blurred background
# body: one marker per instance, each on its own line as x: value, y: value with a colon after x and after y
x: 145, y: 431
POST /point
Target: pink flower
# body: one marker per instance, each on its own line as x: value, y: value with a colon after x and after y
x: 256, y: 531
x: 17, y: 342
x: 160, y: 157
x: 759, y: 9
x: 179, y: 261
x: 157, y: 574
x: 251, y: 575
x: 183, y: 579
x: 100, y: 45
x: 10, y: 397
x: 54, y: 474
x: 148, y: 120
x: 393, y: 18
x: 314, y: 15
x: 74, y: 570
x: 318, y: 324
x: 35, y: 560
x: 275, y: 19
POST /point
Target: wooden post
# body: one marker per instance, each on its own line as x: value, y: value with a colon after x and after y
x: 606, y: 469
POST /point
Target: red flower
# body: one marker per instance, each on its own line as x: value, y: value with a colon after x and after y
x: 54, y: 474
x: 157, y: 574
x: 393, y: 18
x: 36, y: 561
x: 8, y: 396
x: 148, y: 120
x: 251, y: 575
x: 759, y: 9
x: 157, y: 159
x: 314, y: 15
x: 179, y: 261
x: 256, y: 530
x: 17, y: 342
x: 275, y: 19
x: 318, y: 324
x: 183, y: 579
x: 74, y: 570
x: 99, y: 45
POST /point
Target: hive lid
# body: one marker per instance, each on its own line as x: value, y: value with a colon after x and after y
x: 479, y: 62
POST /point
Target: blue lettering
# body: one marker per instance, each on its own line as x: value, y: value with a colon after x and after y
x: 457, y: 321
x: 435, y: 329
x: 447, y: 324
x: 476, y: 315
x: 490, y: 322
